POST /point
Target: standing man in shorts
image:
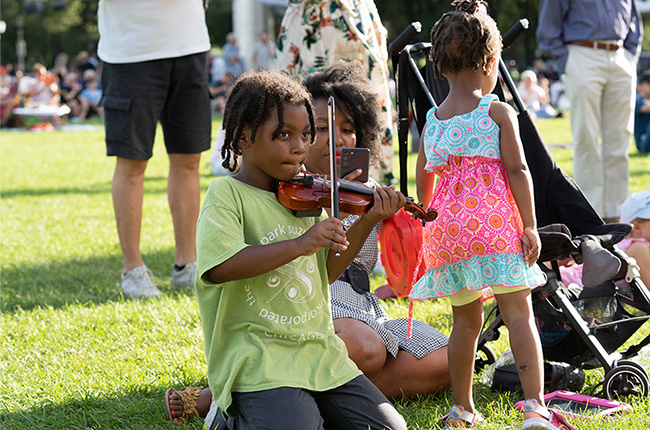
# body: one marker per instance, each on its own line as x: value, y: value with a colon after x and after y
x: 154, y: 68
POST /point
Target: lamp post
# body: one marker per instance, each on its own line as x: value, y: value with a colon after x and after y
x: 21, y: 44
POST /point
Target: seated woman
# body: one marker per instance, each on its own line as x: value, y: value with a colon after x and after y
x: 534, y: 96
x: 377, y: 344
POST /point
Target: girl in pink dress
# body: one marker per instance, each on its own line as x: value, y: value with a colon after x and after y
x: 485, y: 234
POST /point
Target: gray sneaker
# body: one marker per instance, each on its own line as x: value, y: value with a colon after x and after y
x: 138, y: 283
x: 184, y: 277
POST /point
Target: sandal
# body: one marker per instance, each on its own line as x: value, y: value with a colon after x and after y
x: 553, y: 420
x: 457, y: 412
x: 188, y: 396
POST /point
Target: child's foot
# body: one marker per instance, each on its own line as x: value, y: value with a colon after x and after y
x: 182, y: 405
x: 537, y: 417
x: 458, y: 417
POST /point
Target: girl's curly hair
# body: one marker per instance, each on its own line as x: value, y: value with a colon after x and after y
x: 347, y: 82
x: 464, y: 39
x: 252, y: 100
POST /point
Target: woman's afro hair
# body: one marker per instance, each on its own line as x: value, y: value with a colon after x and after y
x: 347, y: 82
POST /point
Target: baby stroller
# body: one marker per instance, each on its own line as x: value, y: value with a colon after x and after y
x: 581, y: 326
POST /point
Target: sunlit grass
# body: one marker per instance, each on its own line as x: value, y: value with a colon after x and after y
x: 75, y: 355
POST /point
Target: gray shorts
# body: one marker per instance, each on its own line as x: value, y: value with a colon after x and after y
x: 174, y: 91
x: 352, y: 406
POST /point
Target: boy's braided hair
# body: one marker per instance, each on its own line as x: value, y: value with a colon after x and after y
x: 347, y: 82
x: 464, y: 39
x: 251, y: 102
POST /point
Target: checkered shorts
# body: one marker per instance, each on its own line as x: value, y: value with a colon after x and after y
x: 366, y: 307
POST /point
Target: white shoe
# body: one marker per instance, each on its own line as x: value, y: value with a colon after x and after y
x: 184, y: 277
x: 138, y: 283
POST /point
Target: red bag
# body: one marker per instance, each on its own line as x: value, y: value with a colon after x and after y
x: 400, y: 240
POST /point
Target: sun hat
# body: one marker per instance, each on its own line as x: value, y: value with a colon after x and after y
x: 636, y: 206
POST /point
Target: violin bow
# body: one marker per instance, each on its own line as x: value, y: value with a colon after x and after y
x: 334, y: 192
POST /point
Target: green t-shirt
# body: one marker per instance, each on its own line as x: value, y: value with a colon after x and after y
x: 269, y: 331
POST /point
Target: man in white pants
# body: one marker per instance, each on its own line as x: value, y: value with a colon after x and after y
x: 596, y: 44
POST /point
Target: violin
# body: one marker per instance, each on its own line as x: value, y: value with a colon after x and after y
x: 308, y: 194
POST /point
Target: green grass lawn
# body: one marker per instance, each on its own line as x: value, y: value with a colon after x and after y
x: 75, y: 355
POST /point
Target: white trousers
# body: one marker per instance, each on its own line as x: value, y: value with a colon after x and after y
x: 601, y: 88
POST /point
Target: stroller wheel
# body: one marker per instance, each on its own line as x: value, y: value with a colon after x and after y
x: 484, y: 357
x: 625, y: 380
x: 637, y: 365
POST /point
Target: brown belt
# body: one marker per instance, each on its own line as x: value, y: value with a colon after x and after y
x: 608, y: 46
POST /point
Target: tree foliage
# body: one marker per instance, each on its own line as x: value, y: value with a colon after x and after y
x: 398, y: 15
x: 58, y: 26
x: 53, y: 26
x: 71, y: 26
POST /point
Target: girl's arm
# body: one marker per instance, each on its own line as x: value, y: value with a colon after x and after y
x: 259, y: 259
x: 424, y: 181
x: 519, y: 179
x: 387, y: 201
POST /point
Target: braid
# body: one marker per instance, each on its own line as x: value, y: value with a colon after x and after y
x: 258, y: 117
x: 251, y: 102
x: 280, y: 109
x: 464, y: 39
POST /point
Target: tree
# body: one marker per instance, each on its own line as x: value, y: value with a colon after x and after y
x: 50, y: 27
x: 397, y: 15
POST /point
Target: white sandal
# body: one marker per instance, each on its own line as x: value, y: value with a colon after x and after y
x: 457, y: 412
x: 552, y: 420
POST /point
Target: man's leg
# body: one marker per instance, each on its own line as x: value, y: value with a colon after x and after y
x: 585, y: 79
x: 128, y: 190
x: 186, y: 122
x: 644, y: 145
x: 618, y: 126
x: 183, y: 192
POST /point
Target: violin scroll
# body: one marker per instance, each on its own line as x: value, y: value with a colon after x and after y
x: 419, y: 212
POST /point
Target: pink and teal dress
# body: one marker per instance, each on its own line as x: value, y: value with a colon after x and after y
x: 475, y: 242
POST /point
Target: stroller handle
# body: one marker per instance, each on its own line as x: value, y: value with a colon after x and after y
x: 405, y: 37
x: 514, y: 32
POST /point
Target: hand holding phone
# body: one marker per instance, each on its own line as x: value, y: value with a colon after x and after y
x: 353, y: 159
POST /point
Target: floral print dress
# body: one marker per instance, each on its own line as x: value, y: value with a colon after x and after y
x: 475, y: 242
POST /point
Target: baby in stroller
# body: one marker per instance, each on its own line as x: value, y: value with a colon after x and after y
x: 636, y: 211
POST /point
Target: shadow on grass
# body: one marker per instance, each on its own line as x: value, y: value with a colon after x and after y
x: 136, y: 409
x: 104, y: 188
x: 59, y: 283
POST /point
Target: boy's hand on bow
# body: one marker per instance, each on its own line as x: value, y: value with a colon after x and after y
x: 326, y: 234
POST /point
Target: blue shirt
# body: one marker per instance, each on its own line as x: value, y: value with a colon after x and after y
x: 232, y: 51
x: 562, y: 21
x: 641, y: 120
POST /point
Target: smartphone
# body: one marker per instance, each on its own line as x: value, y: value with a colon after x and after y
x: 353, y: 159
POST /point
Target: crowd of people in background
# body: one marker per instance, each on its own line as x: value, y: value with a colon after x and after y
x: 74, y: 84
x: 77, y: 85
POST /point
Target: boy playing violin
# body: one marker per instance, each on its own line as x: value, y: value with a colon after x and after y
x: 263, y: 274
